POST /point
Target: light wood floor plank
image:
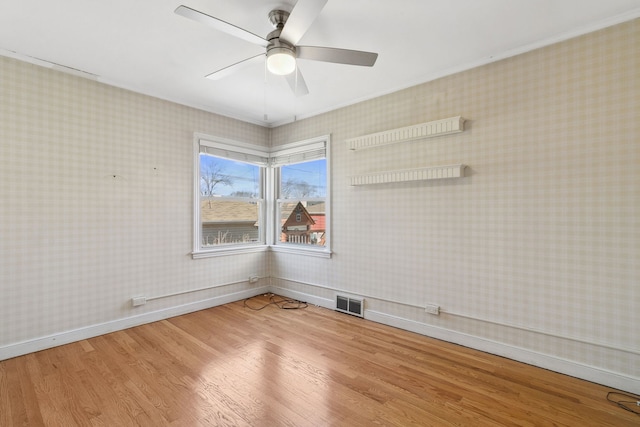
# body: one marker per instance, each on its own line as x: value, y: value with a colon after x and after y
x: 233, y: 366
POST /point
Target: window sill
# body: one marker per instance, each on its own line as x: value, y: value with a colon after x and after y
x: 232, y: 250
x: 238, y: 250
x: 301, y: 250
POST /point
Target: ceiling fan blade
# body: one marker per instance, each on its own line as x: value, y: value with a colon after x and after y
x: 220, y: 25
x: 226, y: 71
x: 301, y: 18
x: 340, y: 56
x: 297, y: 83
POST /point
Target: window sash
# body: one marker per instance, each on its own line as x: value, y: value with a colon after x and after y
x: 233, y: 151
x: 240, y: 232
x: 300, y: 152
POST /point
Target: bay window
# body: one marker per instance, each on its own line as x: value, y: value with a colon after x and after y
x: 250, y: 198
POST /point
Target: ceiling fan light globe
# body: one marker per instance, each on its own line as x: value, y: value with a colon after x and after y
x: 281, y: 61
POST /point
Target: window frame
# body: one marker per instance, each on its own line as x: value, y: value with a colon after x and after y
x: 294, y: 148
x: 239, y: 149
x: 268, y: 214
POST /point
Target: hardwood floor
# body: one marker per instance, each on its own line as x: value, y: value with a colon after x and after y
x: 233, y: 366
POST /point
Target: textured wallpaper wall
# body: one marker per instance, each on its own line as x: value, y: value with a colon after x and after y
x: 96, y: 203
x: 538, y: 246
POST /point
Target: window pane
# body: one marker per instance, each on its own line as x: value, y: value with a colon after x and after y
x: 224, y: 177
x: 303, y: 188
x: 304, y: 180
x: 302, y: 222
x: 227, y: 221
x: 230, y: 204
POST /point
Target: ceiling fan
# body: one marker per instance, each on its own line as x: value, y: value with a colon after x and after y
x: 281, y: 44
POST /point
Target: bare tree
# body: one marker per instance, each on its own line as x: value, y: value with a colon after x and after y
x: 211, y: 176
x: 296, y: 188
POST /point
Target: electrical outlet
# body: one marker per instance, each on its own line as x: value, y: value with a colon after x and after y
x: 137, y: 301
x: 432, y: 309
x: 253, y: 279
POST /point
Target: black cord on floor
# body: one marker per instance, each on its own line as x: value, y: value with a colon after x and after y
x: 280, y: 302
x: 625, y: 401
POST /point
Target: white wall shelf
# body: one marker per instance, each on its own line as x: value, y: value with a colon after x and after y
x: 420, y: 131
x: 420, y: 174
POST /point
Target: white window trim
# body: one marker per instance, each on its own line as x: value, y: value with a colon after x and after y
x: 270, y: 208
x: 223, y: 250
x: 272, y: 236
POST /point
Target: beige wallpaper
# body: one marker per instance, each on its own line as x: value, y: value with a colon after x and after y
x: 538, y: 246
x: 96, y: 203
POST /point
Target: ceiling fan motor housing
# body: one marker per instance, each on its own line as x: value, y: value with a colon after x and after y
x: 278, y: 18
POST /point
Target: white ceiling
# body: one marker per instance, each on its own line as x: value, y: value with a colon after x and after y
x: 142, y: 45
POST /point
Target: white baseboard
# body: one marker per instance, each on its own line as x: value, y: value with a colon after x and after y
x: 42, y: 343
x: 589, y: 373
x: 545, y: 361
x: 556, y: 364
